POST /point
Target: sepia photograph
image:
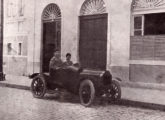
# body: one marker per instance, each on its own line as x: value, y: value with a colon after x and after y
x: 82, y: 59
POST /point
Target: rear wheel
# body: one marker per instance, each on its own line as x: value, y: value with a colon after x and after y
x: 86, y: 92
x: 38, y: 87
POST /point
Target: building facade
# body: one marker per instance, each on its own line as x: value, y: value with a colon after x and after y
x: 100, y: 34
x: 147, y: 41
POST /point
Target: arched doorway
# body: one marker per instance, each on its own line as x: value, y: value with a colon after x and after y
x: 51, y: 34
x: 93, y: 34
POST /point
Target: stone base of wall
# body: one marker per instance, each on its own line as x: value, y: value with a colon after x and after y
x: 147, y: 73
x: 15, y: 65
x: 121, y: 72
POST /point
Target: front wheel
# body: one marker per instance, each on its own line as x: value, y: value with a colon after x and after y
x: 115, y: 90
x: 86, y: 92
x: 38, y: 86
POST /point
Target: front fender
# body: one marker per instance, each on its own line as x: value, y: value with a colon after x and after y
x: 117, y: 79
x: 33, y: 75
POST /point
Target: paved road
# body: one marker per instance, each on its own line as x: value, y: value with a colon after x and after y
x: 20, y: 105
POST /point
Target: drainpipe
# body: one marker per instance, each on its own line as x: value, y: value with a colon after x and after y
x: 2, y: 76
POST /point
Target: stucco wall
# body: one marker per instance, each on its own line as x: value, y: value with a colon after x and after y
x: 147, y: 73
x: 120, y: 32
x: 117, y: 40
x: 15, y: 65
x: 17, y: 29
x: 69, y: 28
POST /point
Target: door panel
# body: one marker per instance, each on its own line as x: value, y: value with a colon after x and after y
x: 93, y: 41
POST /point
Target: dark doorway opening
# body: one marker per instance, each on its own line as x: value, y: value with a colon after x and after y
x: 51, y: 42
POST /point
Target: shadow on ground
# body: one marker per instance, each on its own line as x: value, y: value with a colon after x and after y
x: 66, y: 97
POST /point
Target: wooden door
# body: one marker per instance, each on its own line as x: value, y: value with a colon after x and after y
x: 93, y: 41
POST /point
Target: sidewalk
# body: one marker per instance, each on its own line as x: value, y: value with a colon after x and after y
x: 20, y: 82
x: 133, y: 94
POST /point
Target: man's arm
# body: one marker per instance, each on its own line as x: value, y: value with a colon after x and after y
x: 51, y: 63
x: 55, y: 64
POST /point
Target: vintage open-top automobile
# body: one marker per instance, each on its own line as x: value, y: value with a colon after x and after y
x: 88, y: 84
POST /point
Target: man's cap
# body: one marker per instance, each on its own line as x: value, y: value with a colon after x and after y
x: 56, y: 50
x: 68, y: 54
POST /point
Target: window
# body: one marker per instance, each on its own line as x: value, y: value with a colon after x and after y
x: 20, y: 26
x: 154, y: 24
x: 148, y: 42
x: 21, y: 8
x: 15, y: 8
x: 9, y: 49
x: 19, y: 48
x: 138, y: 25
x: 9, y: 8
x: 149, y: 24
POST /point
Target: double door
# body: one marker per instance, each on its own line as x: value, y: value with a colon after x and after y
x: 93, y: 41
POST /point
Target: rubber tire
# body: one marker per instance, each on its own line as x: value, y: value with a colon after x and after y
x: 91, y: 85
x: 119, y: 89
x: 44, y: 83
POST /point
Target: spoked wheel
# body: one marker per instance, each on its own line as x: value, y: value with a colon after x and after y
x: 38, y: 87
x: 86, y: 92
x: 113, y: 92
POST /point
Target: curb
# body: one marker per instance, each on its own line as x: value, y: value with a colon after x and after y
x: 22, y: 87
x: 123, y: 102
x: 139, y: 104
x: 143, y: 85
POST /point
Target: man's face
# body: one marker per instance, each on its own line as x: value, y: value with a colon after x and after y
x: 68, y: 58
x: 57, y: 54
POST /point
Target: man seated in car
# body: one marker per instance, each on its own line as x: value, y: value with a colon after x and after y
x: 57, y: 66
x: 56, y: 62
x: 68, y: 61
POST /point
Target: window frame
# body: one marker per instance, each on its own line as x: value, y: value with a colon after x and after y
x: 142, y: 25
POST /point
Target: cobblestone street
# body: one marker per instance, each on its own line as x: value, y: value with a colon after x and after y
x: 20, y: 105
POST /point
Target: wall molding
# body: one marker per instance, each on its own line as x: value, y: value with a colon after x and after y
x: 141, y: 5
x: 51, y: 12
x: 91, y: 7
x: 147, y: 62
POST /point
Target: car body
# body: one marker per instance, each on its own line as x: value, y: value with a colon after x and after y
x: 86, y: 83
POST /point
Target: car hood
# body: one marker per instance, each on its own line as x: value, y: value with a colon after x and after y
x: 92, y: 72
